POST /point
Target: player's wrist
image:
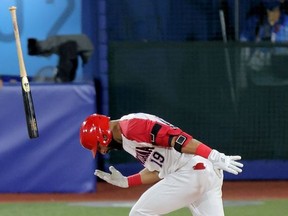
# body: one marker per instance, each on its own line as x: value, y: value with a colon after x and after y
x: 134, y: 180
x: 203, y: 150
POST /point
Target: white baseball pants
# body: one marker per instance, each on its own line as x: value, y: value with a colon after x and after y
x: 199, y: 190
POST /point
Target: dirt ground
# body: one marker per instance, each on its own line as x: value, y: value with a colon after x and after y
x: 232, y: 190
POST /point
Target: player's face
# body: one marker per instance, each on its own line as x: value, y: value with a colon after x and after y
x: 113, y: 145
x: 102, y: 149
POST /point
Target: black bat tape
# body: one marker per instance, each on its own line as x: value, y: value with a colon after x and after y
x: 29, y: 109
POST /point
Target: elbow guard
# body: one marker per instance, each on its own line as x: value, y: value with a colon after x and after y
x: 162, y: 135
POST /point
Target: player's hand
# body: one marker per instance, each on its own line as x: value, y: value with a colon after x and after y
x: 114, y: 178
x: 226, y: 163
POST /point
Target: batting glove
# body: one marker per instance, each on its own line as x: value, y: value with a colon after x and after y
x: 226, y: 163
x: 114, y: 178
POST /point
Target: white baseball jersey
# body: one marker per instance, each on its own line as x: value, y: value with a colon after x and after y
x: 136, y: 135
x: 187, y: 180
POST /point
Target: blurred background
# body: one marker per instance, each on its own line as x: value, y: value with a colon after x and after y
x: 215, y: 68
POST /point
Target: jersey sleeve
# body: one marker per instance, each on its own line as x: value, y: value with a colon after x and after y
x: 136, y: 129
x: 153, y: 132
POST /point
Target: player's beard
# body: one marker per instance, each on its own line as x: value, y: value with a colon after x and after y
x: 113, y: 145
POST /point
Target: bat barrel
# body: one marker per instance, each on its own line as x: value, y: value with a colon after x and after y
x: 26, y: 92
x: 30, y: 114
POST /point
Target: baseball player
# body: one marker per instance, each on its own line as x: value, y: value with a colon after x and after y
x: 186, y: 172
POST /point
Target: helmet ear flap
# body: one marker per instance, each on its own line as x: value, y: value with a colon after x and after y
x: 107, y: 137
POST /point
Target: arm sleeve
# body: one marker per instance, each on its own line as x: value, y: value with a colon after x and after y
x: 156, y: 133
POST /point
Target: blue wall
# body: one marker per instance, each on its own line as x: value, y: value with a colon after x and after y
x: 55, y: 161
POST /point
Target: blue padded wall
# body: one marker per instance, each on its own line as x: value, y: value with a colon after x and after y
x: 54, y: 162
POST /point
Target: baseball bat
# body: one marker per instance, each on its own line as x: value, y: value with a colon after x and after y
x: 26, y: 91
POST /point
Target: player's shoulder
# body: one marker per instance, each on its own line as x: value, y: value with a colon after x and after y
x: 138, y: 115
x: 136, y: 126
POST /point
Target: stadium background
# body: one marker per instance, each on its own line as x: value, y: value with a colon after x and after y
x: 163, y: 57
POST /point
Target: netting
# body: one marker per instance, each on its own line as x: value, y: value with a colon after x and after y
x: 163, y: 20
x: 172, y: 61
x: 178, y: 20
x: 190, y: 85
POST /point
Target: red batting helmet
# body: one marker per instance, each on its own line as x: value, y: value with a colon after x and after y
x: 94, y: 130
